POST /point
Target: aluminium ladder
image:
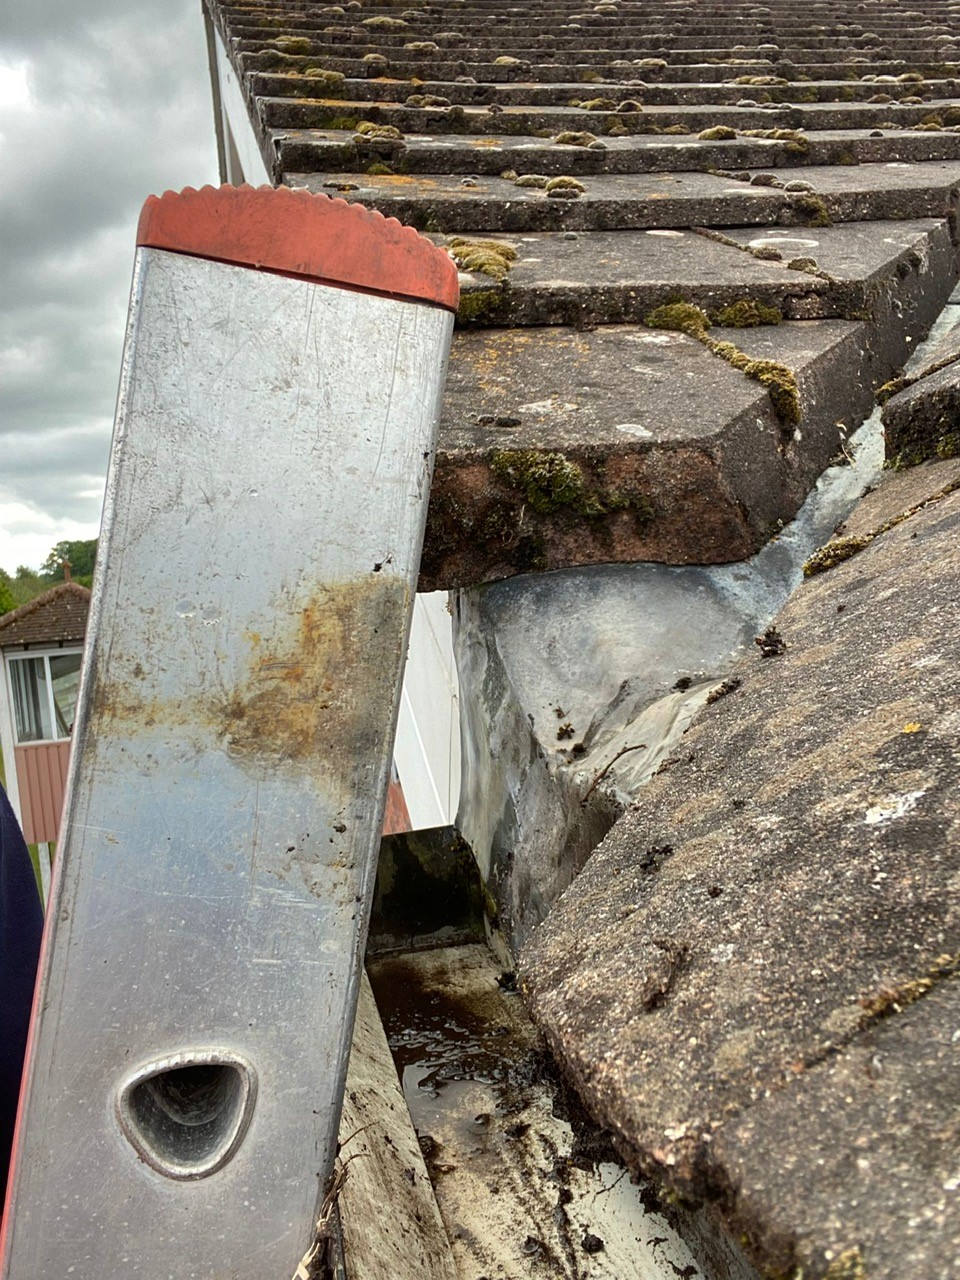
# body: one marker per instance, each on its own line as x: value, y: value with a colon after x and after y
x: 265, y: 508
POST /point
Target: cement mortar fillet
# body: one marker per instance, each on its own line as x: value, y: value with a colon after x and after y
x: 675, y: 980
x: 627, y: 654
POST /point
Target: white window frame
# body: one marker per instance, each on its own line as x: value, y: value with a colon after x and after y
x: 46, y: 653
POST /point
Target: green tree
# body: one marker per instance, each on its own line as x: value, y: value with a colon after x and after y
x: 7, y: 600
x: 81, y: 555
x: 26, y: 584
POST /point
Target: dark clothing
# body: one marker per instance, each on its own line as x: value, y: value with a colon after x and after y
x: 21, y: 924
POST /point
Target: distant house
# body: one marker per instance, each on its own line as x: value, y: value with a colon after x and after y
x: 41, y: 644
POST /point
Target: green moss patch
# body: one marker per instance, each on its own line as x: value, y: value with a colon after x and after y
x: 681, y: 317
x: 570, y: 138
x: 780, y: 382
x: 331, y: 82
x: 924, y: 444
x: 293, y: 44
x: 719, y: 133
x: 479, y: 306
x: 840, y: 549
x: 797, y: 142
x: 551, y: 484
x: 833, y: 553
x: 491, y: 257
x: 564, y: 186
x: 548, y: 481
x: 813, y: 209
x: 367, y: 131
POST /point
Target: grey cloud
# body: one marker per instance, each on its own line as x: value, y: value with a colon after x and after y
x: 120, y: 109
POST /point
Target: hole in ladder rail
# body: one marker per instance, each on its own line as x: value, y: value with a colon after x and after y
x: 186, y: 1115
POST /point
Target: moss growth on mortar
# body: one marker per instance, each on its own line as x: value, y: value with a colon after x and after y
x: 894, y: 385
x: 385, y: 24
x: 920, y: 443
x: 378, y: 169
x: 840, y: 549
x: 548, y: 481
x: 553, y: 485
x: 272, y: 60
x: 598, y: 104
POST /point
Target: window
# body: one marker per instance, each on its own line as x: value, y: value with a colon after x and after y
x: 44, y: 695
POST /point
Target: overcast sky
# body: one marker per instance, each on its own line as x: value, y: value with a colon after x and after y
x: 101, y: 104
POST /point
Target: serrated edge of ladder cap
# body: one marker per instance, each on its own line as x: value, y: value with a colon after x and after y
x: 299, y: 233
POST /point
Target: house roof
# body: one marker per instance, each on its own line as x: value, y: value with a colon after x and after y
x: 753, y: 982
x: 58, y: 616
x: 624, y: 155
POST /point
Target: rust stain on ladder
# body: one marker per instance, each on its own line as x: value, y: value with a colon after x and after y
x: 302, y: 693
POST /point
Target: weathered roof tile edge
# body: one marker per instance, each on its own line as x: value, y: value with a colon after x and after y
x: 10, y: 621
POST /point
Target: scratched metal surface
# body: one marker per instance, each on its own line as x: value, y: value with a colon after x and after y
x: 261, y: 538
